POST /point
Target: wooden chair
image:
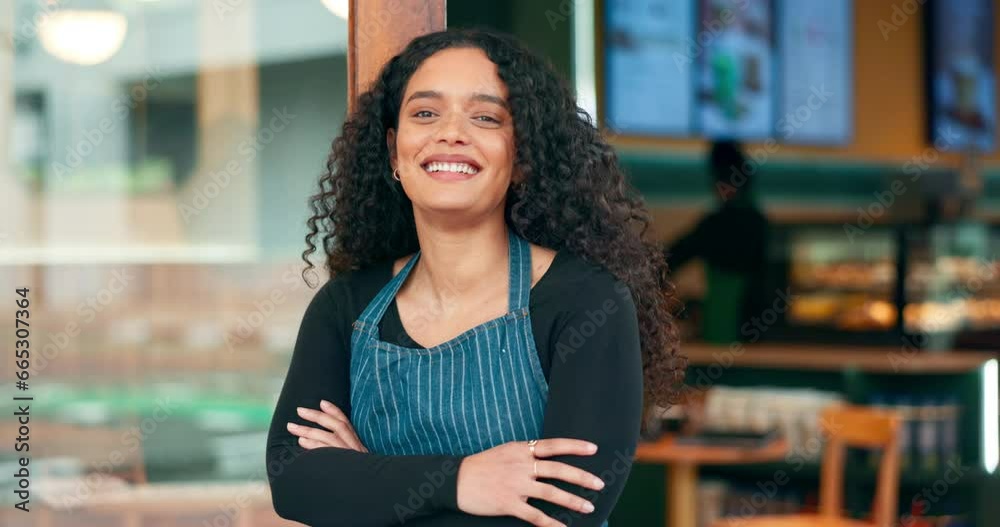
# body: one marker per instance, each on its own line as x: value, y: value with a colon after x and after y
x: 844, y: 426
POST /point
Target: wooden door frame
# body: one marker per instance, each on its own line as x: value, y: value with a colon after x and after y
x: 378, y: 29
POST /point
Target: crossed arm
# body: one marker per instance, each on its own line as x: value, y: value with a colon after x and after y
x: 595, y: 394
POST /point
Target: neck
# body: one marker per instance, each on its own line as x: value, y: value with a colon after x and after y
x: 461, y: 262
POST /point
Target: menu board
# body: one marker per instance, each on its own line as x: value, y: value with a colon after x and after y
x: 735, y: 80
x: 962, y: 82
x: 648, y: 66
x: 816, y: 103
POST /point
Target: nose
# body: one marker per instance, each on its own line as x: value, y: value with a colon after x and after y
x: 452, y: 129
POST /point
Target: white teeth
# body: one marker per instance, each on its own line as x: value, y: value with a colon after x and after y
x: 436, y: 166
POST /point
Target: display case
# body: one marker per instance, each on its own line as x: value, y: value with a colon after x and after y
x: 949, y: 445
x: 922, y: 286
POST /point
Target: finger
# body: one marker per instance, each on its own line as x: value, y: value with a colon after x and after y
x: 310, y: 444
x: 534, y: 516
x: 333, y: 410
x: 561, y: 446
x: 553, y: 494
x: 337, y: 413
x: 317, y: 434
x: 569, y: 474
x: 342, y: 429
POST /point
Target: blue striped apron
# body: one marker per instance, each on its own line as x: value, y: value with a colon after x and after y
x: 481, y: 389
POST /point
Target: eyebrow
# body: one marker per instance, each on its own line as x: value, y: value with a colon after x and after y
x: 482, y: 97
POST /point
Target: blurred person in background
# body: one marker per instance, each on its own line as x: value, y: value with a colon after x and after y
x: 494, y: 317
x: 732, y: 242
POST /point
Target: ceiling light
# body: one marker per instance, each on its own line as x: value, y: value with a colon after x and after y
x: 83, y: 37
x: 337, y: 7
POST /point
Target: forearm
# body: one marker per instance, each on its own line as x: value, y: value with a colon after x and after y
x: 595, y: 394
x: 461, y: 519
x: 335, y: 486
x: 339, y: 486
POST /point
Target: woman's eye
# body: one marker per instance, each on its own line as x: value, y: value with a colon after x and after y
x: 488, y: 118
x: 423, y: 113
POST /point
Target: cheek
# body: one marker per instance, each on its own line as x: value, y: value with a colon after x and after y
x: 501, y: 152
x: 409, y: 140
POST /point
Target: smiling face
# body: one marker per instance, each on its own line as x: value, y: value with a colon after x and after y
x: 454, y: 147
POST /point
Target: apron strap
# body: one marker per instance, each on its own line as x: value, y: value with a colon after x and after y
x: 373, y: 313
x: 519, y: 281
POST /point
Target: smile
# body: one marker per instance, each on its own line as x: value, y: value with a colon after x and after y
x: 457, y: 168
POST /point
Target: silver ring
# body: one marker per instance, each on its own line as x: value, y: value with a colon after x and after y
x: 531, y: 446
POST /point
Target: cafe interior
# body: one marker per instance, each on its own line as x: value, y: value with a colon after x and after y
x: 156, y: 157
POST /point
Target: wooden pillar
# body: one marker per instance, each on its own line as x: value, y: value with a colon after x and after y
x: 228, y: 115
x: 378, y: 29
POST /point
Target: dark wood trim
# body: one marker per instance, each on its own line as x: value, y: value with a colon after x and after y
x: 378, y: 29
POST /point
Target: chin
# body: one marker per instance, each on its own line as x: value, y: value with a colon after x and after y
x: 456, y: 202
x: 449, y: 204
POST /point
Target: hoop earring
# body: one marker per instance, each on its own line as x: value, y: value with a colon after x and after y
x: 395, y: 174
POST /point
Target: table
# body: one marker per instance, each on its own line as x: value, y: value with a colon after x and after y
x: 682, y: 461
x: 803, y: 520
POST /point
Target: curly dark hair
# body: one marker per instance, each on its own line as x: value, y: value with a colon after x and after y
x: 574, y: 195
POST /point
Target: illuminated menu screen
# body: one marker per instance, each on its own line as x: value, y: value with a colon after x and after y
x: 817, y: 94
x: 962, y: 80
x: 648, y: 66
x: 735, y: 80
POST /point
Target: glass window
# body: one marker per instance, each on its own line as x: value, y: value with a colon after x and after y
x: 156, y: 157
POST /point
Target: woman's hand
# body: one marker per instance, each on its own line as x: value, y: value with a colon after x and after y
x: 499, y: 481
x: 337, y: 430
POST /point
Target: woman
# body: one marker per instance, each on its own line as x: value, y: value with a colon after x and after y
x: 479, y: 354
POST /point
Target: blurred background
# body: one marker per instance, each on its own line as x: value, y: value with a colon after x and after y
x: 824, y: 176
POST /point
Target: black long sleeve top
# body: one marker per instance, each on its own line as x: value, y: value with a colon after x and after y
x: 586, y: 333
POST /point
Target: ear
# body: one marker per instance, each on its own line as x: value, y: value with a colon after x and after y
x: 390, y: 142
x: 516, y: 176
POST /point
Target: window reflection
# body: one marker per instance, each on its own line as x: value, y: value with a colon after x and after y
x: 154, y: 198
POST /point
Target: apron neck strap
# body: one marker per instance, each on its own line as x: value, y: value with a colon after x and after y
x: 518, y: 279
x: 520, y: 271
